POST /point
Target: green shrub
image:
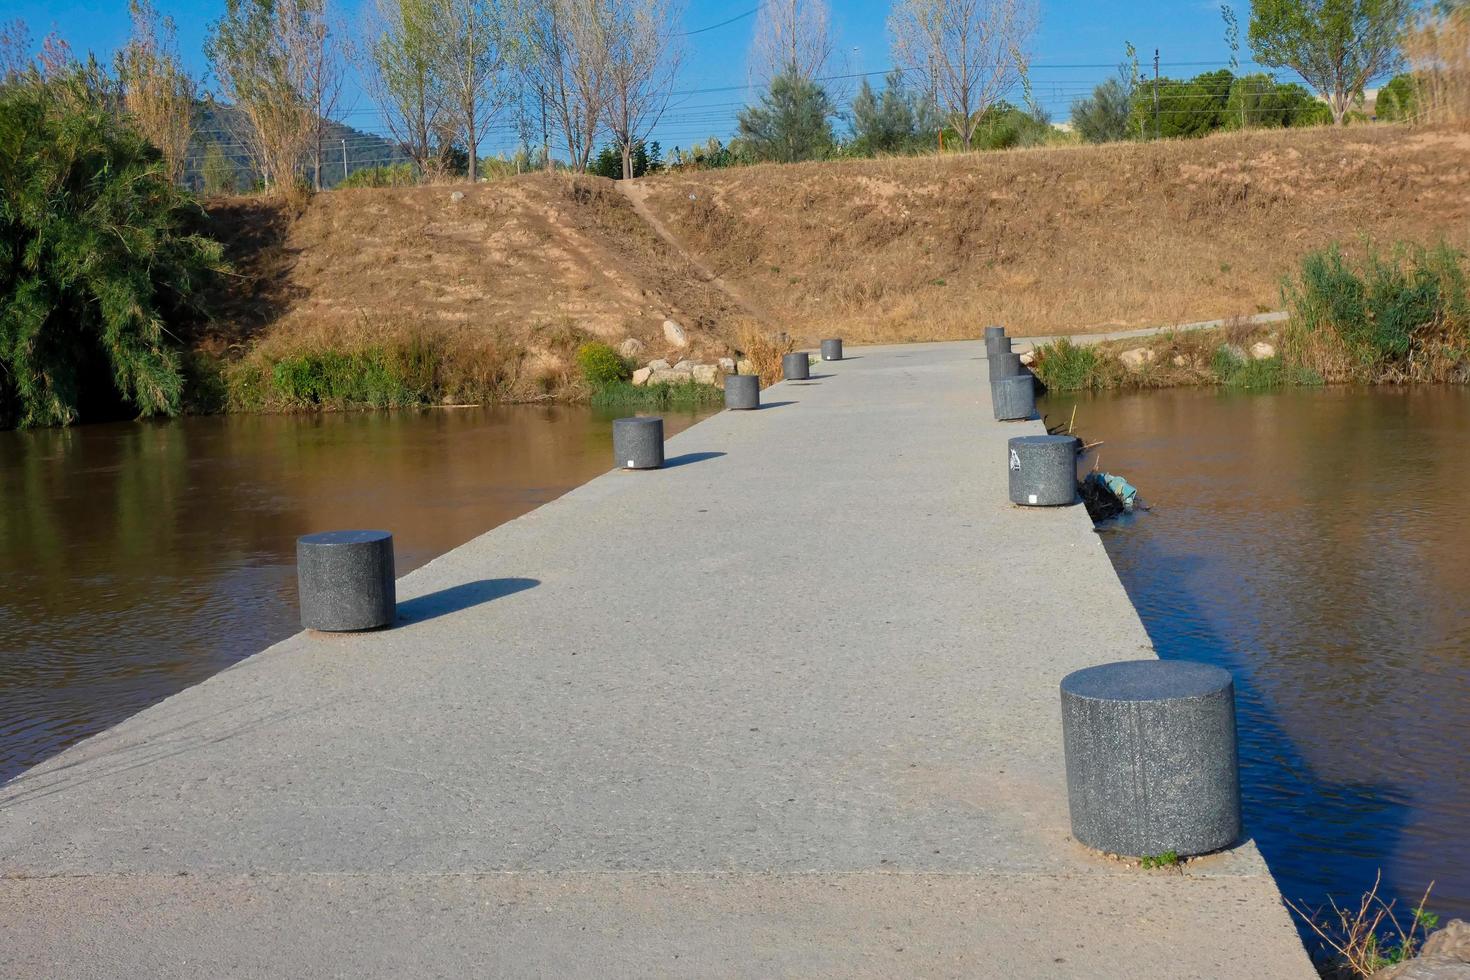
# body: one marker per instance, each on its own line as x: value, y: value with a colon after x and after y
x: 1065, y: 366
x: 100, y: 265
x: 1401, y: 315
x: 395, y: 375
x: 601, y: 366
x: 1235, y: 370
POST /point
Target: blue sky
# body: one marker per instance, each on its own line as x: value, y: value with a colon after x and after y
x: 1076, y: 47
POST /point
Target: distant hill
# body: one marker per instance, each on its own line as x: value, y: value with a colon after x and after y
x: 220, y: 124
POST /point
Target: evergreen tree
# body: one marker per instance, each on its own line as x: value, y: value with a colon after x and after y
x: 1103, y: 116
x: 901, y: 120
x: 793, y: 121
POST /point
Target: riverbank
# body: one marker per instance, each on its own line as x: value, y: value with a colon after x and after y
x: 1388, y: 317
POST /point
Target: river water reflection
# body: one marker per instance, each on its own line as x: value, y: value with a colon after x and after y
x: 137, y: 559
x: 1317, y: 544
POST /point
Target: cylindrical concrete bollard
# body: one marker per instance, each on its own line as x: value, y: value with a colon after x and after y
x: 832, y: 349
x: 796, y: 367
x: 1013, y: 399
x: 344, y: 580
x: 638, y: 442
x: 994, y: 332
x: 1151, y: 759
x: 1043, y: 470
x: 1005, y: 365
x: 997, y: 345
x: 742, y: 391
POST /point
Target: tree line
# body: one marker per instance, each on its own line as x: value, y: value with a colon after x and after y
x: 587, y: 80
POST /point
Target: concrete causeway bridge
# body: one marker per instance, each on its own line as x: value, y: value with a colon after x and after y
x: 787, y: 707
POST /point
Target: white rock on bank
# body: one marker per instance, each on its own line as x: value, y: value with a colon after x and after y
x: 685, y: 365
x: 631, y: 348
x: 641, y: 376
x: 1135, y: 359
x: 1028, y: 358
x: 659, y: 365
x: 745, y: 366
x: 705, y: 374
x: 668, y: 376
x: 1261, y: 351
x: 675, y: 334
x: 727, y: 364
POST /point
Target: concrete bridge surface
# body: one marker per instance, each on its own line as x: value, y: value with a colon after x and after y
x: 785, y: 708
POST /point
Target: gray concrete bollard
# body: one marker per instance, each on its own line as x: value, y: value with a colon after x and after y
x: 1043, y: 470
x: 742, y: 391
x: 832, y: 349
x: 996, y: 332
x: 344, y: 580
x: 638, y: 442
x: 796, y: 367
x: 1151, y: 757
x: 997, y: 345
x: 1004, y: 365
x: 1013, y: 398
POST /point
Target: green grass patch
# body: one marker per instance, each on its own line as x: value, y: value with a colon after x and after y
x: 1065, y: 366
x: 684, y: 395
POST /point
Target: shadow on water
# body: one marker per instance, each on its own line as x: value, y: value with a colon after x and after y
x: 457, y: 598
x: 1280, y: 790
x: 685, y: 459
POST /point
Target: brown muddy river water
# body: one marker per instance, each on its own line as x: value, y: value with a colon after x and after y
x: 1314, y: 542
x: 1317, y: 544
x: 137, y: 559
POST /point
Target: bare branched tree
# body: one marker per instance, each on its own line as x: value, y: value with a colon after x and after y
x: 402, y: 65
x: 566, y: 63
x: 324, y: 62
x: 157, y: 93
x: 792, y: 37
x: 644, y: 57
x: 472, y: 63
x: 970, y: 52
x: 261, y: 52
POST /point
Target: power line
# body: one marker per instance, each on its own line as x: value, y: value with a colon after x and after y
x: 723, y: 23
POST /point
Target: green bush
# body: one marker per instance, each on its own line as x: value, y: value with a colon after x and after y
x: 100, y: 265
x: 1065, y: 366
x: 1401, y: 314
x: 601, y: 366
x: 387, y: 376
x: 1234, y: 369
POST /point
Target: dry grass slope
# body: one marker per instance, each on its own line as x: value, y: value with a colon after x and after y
x: 1062, y: 240
x: 1058, y: 240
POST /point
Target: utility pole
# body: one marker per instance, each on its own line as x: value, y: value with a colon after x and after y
x: 344, y: 159
x: 1156, y: 93
x: 545, y: 139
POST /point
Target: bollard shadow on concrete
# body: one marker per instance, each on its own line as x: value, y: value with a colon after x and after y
x: 685, y: 459
x: 458, y: 597
x: 765, y: 405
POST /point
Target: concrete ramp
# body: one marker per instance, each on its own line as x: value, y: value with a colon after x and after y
x: 785, y: 708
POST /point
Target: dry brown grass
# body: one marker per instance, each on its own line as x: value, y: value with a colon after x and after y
x: 763, y: 349
x: 1437, y: 45
x: 1050, y: 240
x: 1062, y: 239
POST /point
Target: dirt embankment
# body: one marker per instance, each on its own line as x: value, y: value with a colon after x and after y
x: 1059, y: 240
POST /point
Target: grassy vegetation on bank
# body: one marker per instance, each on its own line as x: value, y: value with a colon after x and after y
x: 1397, y: 316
